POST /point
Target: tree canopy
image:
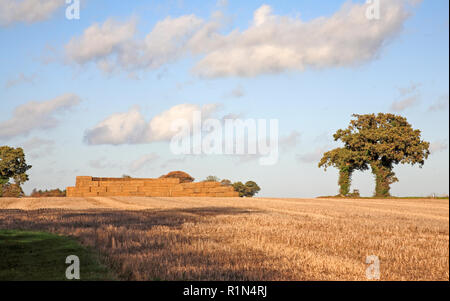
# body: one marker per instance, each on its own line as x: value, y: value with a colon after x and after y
x: 384, y: 137
x: 12, y: 166
x: 249, y: 189
x: 226, y: 182
x: 211, y: 179
x: 184, y: 177
x: 379, y: 141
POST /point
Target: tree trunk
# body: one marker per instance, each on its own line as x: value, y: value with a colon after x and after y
x: 345, y: 174
x: 384, y: 177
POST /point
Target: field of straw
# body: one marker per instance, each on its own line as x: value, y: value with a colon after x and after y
x: 248, y: 239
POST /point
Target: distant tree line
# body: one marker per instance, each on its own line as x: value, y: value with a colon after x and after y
x: 249, y: 189
x: 48, y: 193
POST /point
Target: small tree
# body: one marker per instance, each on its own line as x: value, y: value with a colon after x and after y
x: 249, y: 189
x: 346, y: 161
x: 225, y: 182
x: 384, y: 140
x: 211, y: 179
x: 239, y: 187
x: 12, y: 166
x: 181, y: 175
x: 252, y: 188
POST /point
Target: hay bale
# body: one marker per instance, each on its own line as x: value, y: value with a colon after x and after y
x: 98, y: 189
x: 176, y: 188
x: 90, y: 194
x: 130, y: 189
x: 113, y: 188
x: 211, y: 184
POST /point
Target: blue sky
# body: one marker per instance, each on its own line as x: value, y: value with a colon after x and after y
x: 322, y: 72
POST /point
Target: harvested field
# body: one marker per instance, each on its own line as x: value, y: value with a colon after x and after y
x: 148, y: 238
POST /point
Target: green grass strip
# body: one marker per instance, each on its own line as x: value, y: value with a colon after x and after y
x: 29, y: 255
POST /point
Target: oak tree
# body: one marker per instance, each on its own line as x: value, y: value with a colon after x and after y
x: 382, y: 141
x: 249, y: 189
x: 12, y: 166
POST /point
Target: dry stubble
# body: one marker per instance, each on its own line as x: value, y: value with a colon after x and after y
x: 248, y: 239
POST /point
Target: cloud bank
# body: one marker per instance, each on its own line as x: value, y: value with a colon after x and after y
x: 271, y: 44
x: 37, y: 116
x: 28, y: 11
x: 131, y: 128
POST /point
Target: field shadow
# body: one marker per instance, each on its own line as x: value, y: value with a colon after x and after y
x: 94, y: 218
x: 152, y: 244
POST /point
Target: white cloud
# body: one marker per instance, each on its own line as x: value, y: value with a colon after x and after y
x: 112, y: 44
x: 120, y: 128
x: 166, y: 42
x: 143, y: 161
x: 271, y: 44
x: 160, y: 125
x: 262, y: 15
x: 131, y: 128
x: 275, y: 44
x: 28, y: 11
x: 36, y: 115
x: 98, y: 42
x: 404, y: 104
x: 20, y: 79
x: 438, y: 146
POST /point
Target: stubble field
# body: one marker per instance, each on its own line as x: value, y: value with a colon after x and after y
x: 248, y: 239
